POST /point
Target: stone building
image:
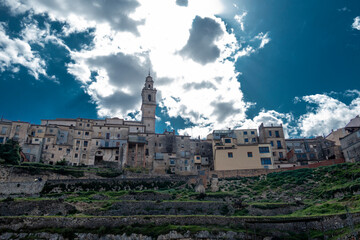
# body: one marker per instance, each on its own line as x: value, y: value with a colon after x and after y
x: 274, y: 135
x: 306, y: 150
x: 350, y: 144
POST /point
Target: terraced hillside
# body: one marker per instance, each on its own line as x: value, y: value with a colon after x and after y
x: 301, y: 204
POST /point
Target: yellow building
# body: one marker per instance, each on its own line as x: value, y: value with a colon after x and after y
x: 229, y: 155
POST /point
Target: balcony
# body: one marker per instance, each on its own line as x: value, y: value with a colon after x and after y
x: 137, y: 139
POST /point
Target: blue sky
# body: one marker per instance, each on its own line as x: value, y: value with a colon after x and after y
x: 216, y: 64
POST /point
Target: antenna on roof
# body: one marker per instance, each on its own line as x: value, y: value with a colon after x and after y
x: 149, y: 71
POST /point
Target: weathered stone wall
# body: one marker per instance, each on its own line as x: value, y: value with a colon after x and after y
x: 9, y: 188
x: 275, y: 225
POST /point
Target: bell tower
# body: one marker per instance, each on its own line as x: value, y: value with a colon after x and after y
x: 148, y: 105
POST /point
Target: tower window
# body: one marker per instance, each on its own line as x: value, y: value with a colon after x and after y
x: 149, y: 97
x: 149, y: 86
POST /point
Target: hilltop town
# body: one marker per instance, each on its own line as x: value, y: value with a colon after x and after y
x: 134, y: 144
x: 116, y: 179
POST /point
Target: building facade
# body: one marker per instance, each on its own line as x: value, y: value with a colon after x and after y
x: 232, y: 152
x: 274, y: 135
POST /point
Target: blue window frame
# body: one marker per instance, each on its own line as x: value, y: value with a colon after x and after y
x: 272, y: 143
x: 246, y: 140
x: 279, y: 144
x: 227, y: 140
x: 252, y: 132
x: 253, y: 140
x: 250, y: 154
x: 281, y: 155
x: 245, y: 132
x: 265, y: 161
x: 264, y: 149
x: 270, y: 133
x: 277, y: 134
x: 230, y: 155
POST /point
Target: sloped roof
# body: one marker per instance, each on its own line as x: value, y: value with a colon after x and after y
x: 354, y: 123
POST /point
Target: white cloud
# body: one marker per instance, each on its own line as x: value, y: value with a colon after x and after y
x: 264, y: 39
x: 145, y: 36
x: 18, y: 52
x: 356, y: 23
x: 327, y: 113
x: 240, y: 19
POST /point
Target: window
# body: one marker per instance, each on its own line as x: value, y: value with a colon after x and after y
x: 51, y: 130
x: 250, y: 154
x: 149, y: 97
x: 17, y: 128
x: 68, y: 150
x: 39, y: 130
x: 281, y: 155
x: 172, y: 161
x: 274, y: 154
x: 3, y: 130
x: 198, y: 158
x: 182, y: 145
x: 265, y: 161
x: 245, y: 132
x: 97, y: 143
x: 279, y: 144
x: 85, y: 143
x: 227, y: 140
x: 147, y: 152
x: 46, y: 147
x: 182, y: 137
x: 277, y: 134
x: 60, y: 149
x: 230, y: 155
x: 36, y: 139
x: 312, y: 155
x: 84, y: 156
x: 88, y: 125
x: 107, y: 135
x: 246, y: 140
x: 52, y: 155
x: 116, y: 157
x: 80, y: 124
x: 86, y: 133
x: 79, y: 133
x: 159, y: 144
x: 264, y: 149
x: 272, y: 143
x: 186, y: 162
x: 252, y: 132
x: 118, y: 136
x: 270, y: 133
x: 253, y: 140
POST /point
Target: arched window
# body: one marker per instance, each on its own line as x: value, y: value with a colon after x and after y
x: 149, y: 97
x: 149, y: 86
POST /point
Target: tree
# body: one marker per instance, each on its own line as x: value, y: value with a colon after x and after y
x: 10, y: 152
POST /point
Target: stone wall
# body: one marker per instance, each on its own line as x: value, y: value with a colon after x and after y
x: 273, y: 225
x: 17, y: 188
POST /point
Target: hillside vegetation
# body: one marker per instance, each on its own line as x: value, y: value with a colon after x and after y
x: 299, y: 194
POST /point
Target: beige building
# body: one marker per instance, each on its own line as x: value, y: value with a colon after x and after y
x: 274, y: 135
x: 231, y: 155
